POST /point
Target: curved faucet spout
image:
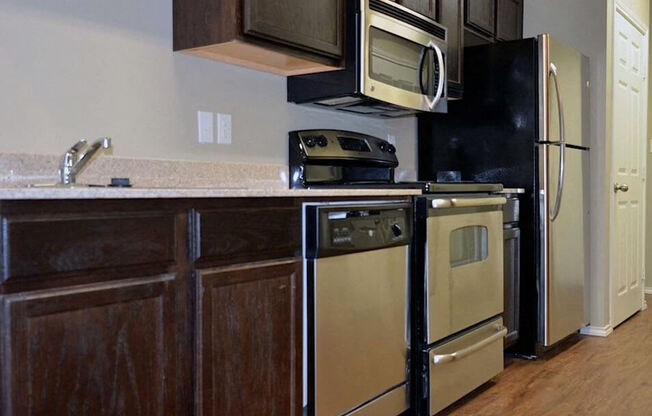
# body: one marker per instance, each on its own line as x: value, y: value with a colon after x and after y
x: 73, y: 162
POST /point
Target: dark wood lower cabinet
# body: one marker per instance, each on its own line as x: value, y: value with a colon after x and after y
x: 100, y: 349
x: 249, y: 340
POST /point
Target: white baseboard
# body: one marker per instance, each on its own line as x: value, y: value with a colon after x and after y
x: 597, y: 331
x: 648, y: 290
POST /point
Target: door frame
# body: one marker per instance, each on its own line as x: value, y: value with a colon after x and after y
x: 619, y: 7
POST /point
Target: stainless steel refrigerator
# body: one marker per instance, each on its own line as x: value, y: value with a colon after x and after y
x: 524, y: 122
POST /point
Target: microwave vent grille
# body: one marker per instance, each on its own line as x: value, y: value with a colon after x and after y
x: 409, y: 18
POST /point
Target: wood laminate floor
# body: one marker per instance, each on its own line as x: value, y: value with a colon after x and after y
x: 591, y: 376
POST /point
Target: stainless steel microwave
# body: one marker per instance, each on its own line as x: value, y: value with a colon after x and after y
x: 395, y: 65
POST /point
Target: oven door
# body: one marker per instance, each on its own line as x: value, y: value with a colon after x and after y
x: 402, y: 65
x: 464, y: 263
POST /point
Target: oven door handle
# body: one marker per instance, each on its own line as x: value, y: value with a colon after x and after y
x: 468, y: 202
x: 458, y: 355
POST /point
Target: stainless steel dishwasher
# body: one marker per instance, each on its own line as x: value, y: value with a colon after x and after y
x: 356, y: 336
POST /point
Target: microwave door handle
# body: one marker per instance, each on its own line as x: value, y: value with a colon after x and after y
x: 562, y: 146
x: 422, y: 60
x: 441, y: 79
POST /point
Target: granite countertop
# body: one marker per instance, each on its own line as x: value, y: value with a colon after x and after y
x: 23, y: 193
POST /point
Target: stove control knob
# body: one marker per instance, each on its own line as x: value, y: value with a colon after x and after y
x: 391, y: 149
x: 310, y: 141
x: 396, y: 230
x: 382, y: 146
x: 322, y: 141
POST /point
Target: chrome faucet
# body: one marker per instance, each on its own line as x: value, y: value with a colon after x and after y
x: 73, y: 162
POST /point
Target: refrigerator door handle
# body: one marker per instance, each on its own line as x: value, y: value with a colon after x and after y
x: 562, y: 145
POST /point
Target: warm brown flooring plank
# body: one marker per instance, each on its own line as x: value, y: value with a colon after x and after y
x: 592, y: 376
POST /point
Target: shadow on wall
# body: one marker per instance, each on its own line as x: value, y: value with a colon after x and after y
x: 90, y: 68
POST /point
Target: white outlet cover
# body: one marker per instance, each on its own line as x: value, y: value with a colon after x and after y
x: 391, y: 139
x: 224, y: 127
x: 205, y: 127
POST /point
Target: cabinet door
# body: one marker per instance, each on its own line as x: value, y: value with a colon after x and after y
x: 480, y: 15
x: 249, y: 340
x: 315, y: 25
x: 100, y: 349
x: 425, y: 7
x: 509, y: 23
x: 451, y: 15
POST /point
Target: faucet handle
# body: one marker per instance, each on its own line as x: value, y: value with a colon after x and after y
x: 106, y: 142
x: 77, y: 147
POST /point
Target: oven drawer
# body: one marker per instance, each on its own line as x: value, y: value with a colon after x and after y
x: 464, y: 268
x: 465, y: 363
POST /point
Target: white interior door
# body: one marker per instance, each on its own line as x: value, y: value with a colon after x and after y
x: 628, y: 152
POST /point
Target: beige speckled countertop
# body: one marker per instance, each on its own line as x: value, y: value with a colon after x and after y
x: 154, y: 178
x: 141, y: 193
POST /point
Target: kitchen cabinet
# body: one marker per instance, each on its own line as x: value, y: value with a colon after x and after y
x: 250, y: 339
x: 425, y: 7
x: 480, y: 15
x: 451, y: 15
x: 288, y: 37
x: 509, y: 20
x: 98, y: 349
x: 489, y: 21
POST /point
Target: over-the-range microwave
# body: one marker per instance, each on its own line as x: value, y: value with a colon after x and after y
x: 395, y: 65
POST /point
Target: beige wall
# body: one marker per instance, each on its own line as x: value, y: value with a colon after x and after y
x: 89, y: 68
x: 581, y: 24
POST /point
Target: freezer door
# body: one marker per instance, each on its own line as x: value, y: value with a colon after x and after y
x: 564, y: 245
x: 564, y: 96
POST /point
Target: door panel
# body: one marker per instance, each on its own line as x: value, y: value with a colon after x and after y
x: 509, y: 20
x: 462, y: 293
x: 360, y: 328
x: 572, y: 75
x: 481, y: 15
x: 628, y: 149
x: 249, y: 342
x: 568, y: 242
x: 315, y: 25
x: 101, y: 349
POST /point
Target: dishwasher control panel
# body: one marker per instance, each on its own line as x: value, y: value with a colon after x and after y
x: 342, y: 229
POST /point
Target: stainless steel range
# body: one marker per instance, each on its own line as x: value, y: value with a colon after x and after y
x: 456, y: 276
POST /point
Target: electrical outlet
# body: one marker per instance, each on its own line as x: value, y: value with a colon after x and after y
x: 224, y: 128
x: 205, y: 127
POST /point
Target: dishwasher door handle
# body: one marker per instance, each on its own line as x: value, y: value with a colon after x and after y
x: 468, y: 202
x: 457, y: 355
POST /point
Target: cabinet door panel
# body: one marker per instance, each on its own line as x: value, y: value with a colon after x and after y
x: 101, y: 349
x: 250, y: 340
x: 480, y: 15
x: 451, y: 15
x: 315, y: 25
x: 425, y: 7
x: 509, y: 23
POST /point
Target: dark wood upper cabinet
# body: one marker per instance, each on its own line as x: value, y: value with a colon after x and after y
x: 509, y: 20
x: 288, y: 37
x: 100, y: 349
x: 480, y: 15
x: 451, y: 15
x: 425, y: 7
x: 249, y: 340
x: 312, y: 25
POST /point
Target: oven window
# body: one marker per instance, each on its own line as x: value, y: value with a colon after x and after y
x: 468, y: 245
x: 394, y: 60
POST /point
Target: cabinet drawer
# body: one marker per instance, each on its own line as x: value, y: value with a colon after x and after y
x: 465, y: 363
x: 245, y: 234
x: 35, y: 245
